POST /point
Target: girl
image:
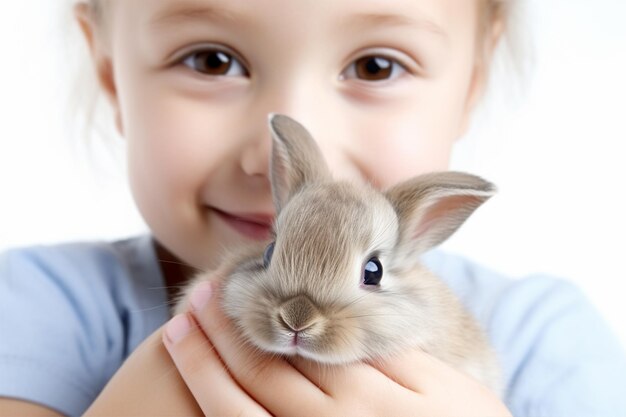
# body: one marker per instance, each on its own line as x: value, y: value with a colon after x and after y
x: 386, y: 88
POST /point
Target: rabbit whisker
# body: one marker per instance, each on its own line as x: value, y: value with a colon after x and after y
x: 165, y: 261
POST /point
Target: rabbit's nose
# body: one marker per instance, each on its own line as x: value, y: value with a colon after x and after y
x: 298, y: 313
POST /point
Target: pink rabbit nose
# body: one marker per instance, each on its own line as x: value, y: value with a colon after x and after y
x: 298, y: 313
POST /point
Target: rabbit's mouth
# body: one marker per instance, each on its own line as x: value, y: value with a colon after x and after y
x: 309, y: 344
x: 297, y: 344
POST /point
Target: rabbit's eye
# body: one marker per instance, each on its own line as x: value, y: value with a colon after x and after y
x: 373, y: 272
x: 267, y: 256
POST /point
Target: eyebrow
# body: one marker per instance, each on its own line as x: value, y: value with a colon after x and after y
x: 184, y: 12
x: 369, y: 20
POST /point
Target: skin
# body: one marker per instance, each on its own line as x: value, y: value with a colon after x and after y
x: 197, y: 140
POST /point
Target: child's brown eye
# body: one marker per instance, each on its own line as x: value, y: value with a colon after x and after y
x: 374, y: 68
x: 215, y: 62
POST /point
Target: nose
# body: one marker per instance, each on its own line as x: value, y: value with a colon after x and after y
x: 320, y: 111
x: 293, y: 95
x: 255, y: 155
x: 298, y: 313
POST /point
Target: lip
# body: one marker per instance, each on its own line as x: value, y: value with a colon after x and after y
x: 251, y: 225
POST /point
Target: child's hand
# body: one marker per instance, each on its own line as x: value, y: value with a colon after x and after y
x: 256, y: 384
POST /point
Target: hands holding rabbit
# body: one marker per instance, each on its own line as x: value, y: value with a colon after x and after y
x: 227, y: 378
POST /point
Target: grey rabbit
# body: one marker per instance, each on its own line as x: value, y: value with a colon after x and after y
x: 341, y: 280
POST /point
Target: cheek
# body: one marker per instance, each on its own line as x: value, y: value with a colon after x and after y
x: 171, y: 150
x: 176, y: 147
x: 175, y: 142
x: 412, y: 140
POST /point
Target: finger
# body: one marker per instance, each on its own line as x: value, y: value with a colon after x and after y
x: 203, y: 371
x: 413, y: 369
x: 334, y: 379
x: 435, y: 380
x: 269, y: 379
x: 359, y: 386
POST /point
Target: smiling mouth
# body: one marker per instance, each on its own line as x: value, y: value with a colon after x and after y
x: 252, y: 226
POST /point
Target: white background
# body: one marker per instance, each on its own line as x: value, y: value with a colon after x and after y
x: 557, y: 151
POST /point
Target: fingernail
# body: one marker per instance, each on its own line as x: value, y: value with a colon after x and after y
x: 201, y: 295
x: 177, y: 328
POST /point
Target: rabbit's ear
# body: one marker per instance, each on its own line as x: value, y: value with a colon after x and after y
x: 296, y: 159
x: 432, y: 207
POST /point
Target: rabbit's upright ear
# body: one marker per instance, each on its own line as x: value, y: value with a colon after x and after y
x: 432, y: 207
x: 296, y: 159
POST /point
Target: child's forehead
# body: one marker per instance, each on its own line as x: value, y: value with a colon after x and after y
x: 430, y: 15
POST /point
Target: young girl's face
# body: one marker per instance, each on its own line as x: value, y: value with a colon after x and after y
x: 385, y: 87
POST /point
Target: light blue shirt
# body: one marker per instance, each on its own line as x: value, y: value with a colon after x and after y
x: 70, y: 314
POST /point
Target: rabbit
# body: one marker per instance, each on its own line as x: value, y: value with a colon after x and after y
x: 341, y: 280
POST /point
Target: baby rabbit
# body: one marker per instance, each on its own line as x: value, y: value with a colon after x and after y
x: 341, y: 280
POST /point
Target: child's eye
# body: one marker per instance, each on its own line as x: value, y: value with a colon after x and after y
x: 215, y: 62
x: 374, y: 68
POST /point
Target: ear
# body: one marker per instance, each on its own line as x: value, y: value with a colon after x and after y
x: 481, y: 69
x: 100, y: 55
x: 475, y: 91
x: 432, y: 207
x: 296, y: 159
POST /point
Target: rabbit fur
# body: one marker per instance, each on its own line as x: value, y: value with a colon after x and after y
x: 310, y: 298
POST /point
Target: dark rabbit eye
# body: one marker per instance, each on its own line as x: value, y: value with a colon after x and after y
x: 373, y: 272
x: 267, y: 256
